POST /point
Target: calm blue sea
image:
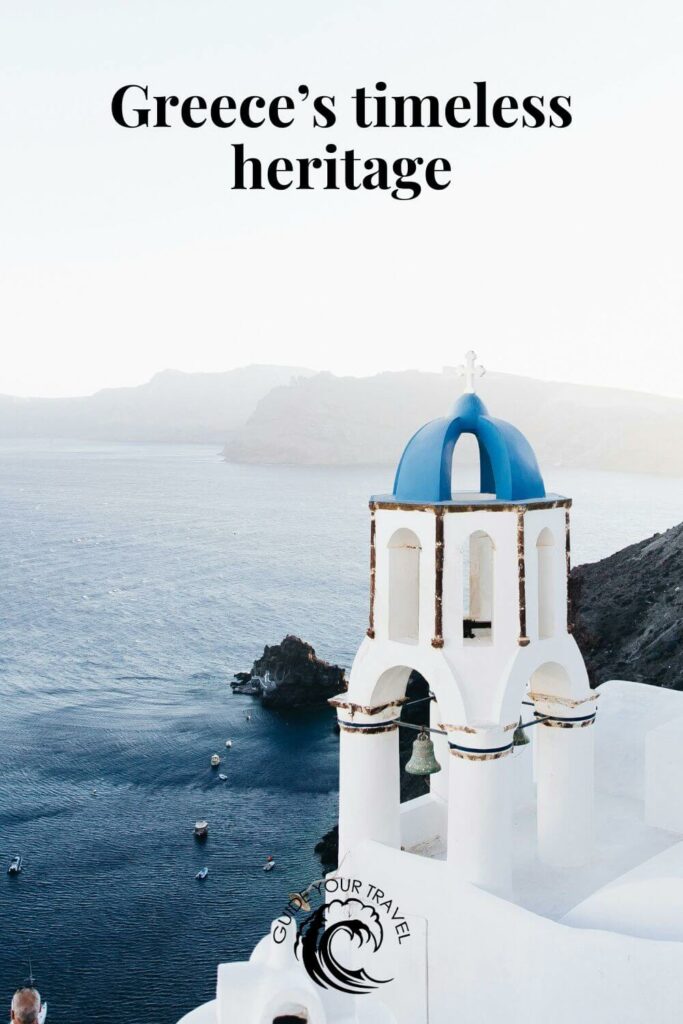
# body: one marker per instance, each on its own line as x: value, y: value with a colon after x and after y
x: 135, y: 579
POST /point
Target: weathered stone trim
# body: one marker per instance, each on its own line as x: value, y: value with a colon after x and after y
x: 521, y: 580
x: 373, y: 571
x: 471, y: 729
x: 566, y: 702
x: 365, y: 709
x: 367, y: 729
x: 483, y: 756
x: 482, y: 507
x: 437, y: 640
x: 568, y: 550
x: 568, y: 723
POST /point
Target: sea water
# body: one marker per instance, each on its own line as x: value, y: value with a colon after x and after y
x: 136, y: 579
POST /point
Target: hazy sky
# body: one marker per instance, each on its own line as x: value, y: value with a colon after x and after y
x: 554, y: 253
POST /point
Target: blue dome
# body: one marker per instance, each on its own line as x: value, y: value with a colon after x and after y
x: 508, y: 465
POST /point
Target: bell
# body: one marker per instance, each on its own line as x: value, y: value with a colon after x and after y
x: 519, y: 737
x: 422, y: 761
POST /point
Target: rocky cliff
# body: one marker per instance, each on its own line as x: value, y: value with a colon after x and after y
x: 626, y: 612
x: 289, y: 676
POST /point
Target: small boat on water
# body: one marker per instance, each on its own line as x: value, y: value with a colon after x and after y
x: 201, y: 829
x: 42, y: 1013
x: 30, y: 983
x: 270, y: 863
x: 15, y: 865
x: 299, y: 901
x: 228, y: 744
x: 201, y: 874
x: 215, y: 760
x: 222, y: 777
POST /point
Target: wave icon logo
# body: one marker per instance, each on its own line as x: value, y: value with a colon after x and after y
x: 337, y: 943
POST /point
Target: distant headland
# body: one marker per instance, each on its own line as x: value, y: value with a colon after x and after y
x: 293, y: 415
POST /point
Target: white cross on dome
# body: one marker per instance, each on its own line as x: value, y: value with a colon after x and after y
x: 470, y: 371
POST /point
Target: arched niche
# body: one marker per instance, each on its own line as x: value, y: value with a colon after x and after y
x: 478, y: 583
x: 564, y: 677
x: 552, y: 680
x: 404, y: 587
x: 545, y: 557
x: 375, y: 680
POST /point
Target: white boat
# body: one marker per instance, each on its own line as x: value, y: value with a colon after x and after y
x: 201, y: 829
x: 15, y: 865
x: 269, y: 865
x: 299, y: 902
x: 30, y: 982
x: 222, y: 777
x: 228, y: 744
x: 201, y: 874
x: 215, y: 760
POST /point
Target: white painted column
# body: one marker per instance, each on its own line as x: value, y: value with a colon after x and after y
x: 369, y: 791
x: 524, y: 791
x: 565, y: 785
x: 479, y: 809
x: 438, y: 783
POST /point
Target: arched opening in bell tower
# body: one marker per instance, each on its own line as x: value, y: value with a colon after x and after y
x: 423, y: 773
x: 545, y: 553
x: 404, y: 587
x: 408, y: 736
x: 478, y: 588
x: 416, y: 713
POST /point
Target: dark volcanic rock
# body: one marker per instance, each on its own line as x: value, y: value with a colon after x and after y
x: 327, y: 850
x: 626, y: 612
x: 289, y: 676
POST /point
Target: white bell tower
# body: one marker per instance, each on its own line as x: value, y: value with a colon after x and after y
x: 470, y: 590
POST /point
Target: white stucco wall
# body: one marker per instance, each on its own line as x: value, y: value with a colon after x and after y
x: 491, y: 960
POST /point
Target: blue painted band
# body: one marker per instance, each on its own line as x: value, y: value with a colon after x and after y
x: 481, y: 750
x: 368, y: 726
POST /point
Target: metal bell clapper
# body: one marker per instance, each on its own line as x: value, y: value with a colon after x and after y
x: 423, y: 761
